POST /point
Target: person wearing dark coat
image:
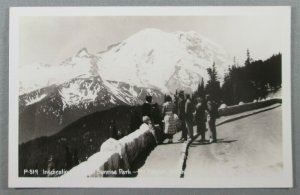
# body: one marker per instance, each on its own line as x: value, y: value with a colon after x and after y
x: 176, y: 103
x: 147, y: 107
x: 200, y: 117
x: 157, y: 122
x: 189, y: 116
x: 181, y: 116
x: 212, y: 109
x: 156, y: 114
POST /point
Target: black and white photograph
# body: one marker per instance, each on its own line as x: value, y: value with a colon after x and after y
x: 190, y: 97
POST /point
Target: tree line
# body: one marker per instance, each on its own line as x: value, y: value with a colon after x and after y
x: 243, y: 83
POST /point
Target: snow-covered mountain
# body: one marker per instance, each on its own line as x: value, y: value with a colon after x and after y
x: 150, y: 61
x: 82, y: 91
x: 168, y: 61
x: 150, y: 58
x: 56, y: 106
x: 37, y: 76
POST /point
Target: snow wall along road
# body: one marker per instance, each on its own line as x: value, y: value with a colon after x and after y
x: 242, y: 107
x: 116, y: 156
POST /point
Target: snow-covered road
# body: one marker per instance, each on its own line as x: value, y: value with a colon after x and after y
x: 248, y: 147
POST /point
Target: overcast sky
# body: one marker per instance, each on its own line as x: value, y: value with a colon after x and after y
x: 52, y: 39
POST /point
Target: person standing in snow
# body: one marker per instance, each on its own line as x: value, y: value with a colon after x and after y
x: 213, y: 114
x: 168, y: 109
x: 181, y: 116
x: 147, y: 107
x: 189, y: 116
x: 200, y: 117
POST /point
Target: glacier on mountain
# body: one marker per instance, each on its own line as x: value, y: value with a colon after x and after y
x: 167, y: 61
x: 150, y: 58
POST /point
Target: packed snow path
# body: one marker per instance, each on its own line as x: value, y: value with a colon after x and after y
x: 251, y: 146
x: 244, y: 138
x: 165, y: 160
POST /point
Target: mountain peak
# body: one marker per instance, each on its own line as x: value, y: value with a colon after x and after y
x: 83, y: 53
x: 151, y: 30
x: 143, y: 53
x: 150, y: 33
x: 136, y: 60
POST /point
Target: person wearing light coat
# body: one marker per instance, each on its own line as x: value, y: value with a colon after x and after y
x: 170, y: 119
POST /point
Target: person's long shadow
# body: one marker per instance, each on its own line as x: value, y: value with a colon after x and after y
x: 141, y: 159
x: 219, y: 141
x: 175, y: 142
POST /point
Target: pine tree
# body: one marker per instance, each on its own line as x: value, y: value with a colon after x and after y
x: 248, y: 59
x: 212, y: 73
x: 234, y: 61
x: 213, y: 85
x: 201, y: 89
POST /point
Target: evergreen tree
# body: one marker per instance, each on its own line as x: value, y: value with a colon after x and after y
x: 213, y: 85
x: 248, y: 59
x: 232, y: 85
x: 252, y: 81
x: 201, y: 89
x: 212, y: 73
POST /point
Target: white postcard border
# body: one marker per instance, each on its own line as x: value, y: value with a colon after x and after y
x: 14, y: 181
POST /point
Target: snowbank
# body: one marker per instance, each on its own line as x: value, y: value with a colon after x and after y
x: 275, y: 94
x: 114, y: 155
x: 229, y: 110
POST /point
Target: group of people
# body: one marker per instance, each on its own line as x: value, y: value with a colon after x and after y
x: 181, y: 114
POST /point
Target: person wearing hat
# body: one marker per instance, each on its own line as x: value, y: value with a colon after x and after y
x: 147, y: 107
